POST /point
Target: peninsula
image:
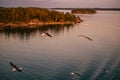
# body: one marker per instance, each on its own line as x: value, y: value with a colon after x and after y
x: 33, y: 16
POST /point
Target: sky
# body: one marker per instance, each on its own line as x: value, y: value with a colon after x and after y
x: 61, y: 3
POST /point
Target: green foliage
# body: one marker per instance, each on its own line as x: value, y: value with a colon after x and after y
x: 26, y: 15
x: 68, y: 17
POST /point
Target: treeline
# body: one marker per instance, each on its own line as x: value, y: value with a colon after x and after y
x: 26, y: 15
x: 83, y: 11
x: 112, y: 9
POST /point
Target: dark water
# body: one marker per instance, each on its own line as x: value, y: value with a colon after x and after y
x: 46, y: 58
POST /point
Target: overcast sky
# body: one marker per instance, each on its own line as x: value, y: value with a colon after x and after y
x: 61, y: 3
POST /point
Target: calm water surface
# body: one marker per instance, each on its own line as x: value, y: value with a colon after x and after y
x: 46, y: 58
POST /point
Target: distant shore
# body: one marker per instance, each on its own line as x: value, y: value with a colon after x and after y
x: 83, y: 11
x: 108, y: 9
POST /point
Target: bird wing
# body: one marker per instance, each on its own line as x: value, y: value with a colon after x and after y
x: 48, y: 34
x: 13, y: 65
x: 89, y: 38
x: 77, y: 74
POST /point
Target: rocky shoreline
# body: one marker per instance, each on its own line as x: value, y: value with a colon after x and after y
x: 12, y: 25
x: 32, y: 25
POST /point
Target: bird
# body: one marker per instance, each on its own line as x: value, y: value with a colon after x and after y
x: 15, y: 68
x: 45, y: 33
x: 82, y: 36
x: 73, y: 72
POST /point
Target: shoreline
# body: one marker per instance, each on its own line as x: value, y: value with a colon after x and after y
x: 32, y: 25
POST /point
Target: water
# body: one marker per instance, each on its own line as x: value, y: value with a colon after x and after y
x: 46, y: 58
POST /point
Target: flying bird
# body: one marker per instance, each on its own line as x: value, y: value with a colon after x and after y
x: 82, y: 36
x: 15, y: 68
x: 45, y: 33
x: 72, y: 73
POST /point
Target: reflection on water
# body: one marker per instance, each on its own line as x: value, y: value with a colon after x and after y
x: 25, y: 33
x: 111, y: 69
x: 91, y: 70
x: 44, y: 58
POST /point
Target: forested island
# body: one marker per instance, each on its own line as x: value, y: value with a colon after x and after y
x: 106, y: 9
x: 34, y: 16
x: 83, y: 11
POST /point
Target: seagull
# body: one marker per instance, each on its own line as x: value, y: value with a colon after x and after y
x: 45, y: 33
x: 15, y: 68
x: 72, y: 73
x: 82, y: 36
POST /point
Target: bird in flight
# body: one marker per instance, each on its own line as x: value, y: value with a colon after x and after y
x: 45, y: 33
x: 82, y: 36
x: 72, y: 73
x: 15, y: 68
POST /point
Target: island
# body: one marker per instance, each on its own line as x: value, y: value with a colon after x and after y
x: 32, y: 17
x: 83, y: 11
